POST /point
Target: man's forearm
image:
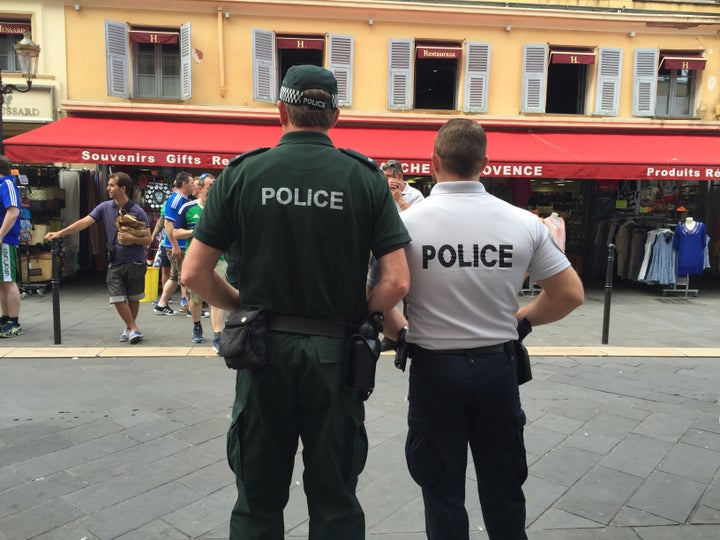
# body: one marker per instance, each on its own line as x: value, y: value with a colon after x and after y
x: 8, y: 222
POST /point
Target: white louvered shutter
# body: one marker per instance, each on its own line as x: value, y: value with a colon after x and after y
x: 400, y: 76
x: 263, y: 64
x: 645, y: 71
x: 117, y: 58
x: 340, y: 59
x: 185, y: 62
x: 608, y: 82
x: 477, y: 72
x: 534, y: 83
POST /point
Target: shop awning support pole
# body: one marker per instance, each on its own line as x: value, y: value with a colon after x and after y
x: 55, y: 283
x: 608, y: 292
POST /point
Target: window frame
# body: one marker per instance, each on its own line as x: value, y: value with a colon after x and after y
x: 338, y: 57
x: 472, y: 75
x: 672, y: 97
x: 7, y: 42
x: 121, y: 65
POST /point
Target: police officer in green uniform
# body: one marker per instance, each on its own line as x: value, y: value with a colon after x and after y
x: 304, y: 216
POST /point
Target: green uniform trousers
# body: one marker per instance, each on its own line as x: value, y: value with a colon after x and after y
x: 299, y: 394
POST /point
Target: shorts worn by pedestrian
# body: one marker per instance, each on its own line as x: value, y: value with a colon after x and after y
x: 303, y: 216
x: 468, y: 258
x: 126, y: 252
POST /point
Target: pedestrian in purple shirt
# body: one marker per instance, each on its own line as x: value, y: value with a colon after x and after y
x: 126, y: 264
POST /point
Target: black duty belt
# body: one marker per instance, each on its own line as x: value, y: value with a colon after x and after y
x: 475, y: 351
x: 310, y: 327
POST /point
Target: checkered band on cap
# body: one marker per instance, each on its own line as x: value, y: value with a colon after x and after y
x: 296, y: 97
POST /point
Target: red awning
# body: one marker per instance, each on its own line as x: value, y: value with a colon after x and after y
x: 151, y: 36
x: 442, y: 53
x: 574, y: 56
x: 512, y: 154
x: 14, y: 27
x: 300, y: 43
x: 691, y: 60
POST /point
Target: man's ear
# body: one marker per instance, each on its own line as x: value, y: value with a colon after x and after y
x: 335, y: 117
x: 282, y: 109
x: 436, y: 162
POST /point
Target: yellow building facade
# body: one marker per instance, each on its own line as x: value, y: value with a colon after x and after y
x: 611, y: 91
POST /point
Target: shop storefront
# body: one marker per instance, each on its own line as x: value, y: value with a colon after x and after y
x: 586, y: 178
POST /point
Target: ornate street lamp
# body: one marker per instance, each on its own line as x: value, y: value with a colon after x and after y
x: 27, y: 53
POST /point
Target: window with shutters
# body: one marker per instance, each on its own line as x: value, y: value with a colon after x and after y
x: 436, y: 75
x: 10, y: 33
x: 608, y: 81
x: 148, y: 62
x: 274, y: 55
x: 427, y: 74
x: 665, y: 82
x: 555, y: 78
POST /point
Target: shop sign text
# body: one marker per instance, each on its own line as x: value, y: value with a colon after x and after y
x: 692, y: 173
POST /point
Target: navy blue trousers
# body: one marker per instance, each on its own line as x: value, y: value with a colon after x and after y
x: 461, y: 400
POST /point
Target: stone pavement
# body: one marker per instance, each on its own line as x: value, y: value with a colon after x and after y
x: 104, y: 441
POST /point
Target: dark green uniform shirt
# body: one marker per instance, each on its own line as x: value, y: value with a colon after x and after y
x: 305, y: 217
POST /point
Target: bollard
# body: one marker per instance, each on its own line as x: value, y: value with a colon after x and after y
x: 608, y: 292
x: 55, y: 284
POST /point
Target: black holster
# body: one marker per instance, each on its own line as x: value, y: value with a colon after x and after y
x: 362, y: 354
x: 524, y: 372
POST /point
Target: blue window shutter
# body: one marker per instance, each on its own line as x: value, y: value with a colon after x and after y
x: 645, y: 70
x: 534, y: 82
x: 340, y: 60
x: 263, y: 64
x: 400, y: 74
x: 185, y: 62
x: 117, y: 57
x: 608, y: 82
x: 477, y: 72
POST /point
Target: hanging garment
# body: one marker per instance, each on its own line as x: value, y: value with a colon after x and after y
x: 689, y: 244
x: 663, y: 267
x: 649, y: 242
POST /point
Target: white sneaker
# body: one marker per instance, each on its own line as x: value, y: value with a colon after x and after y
x: 125, y: 336
x: 135, y: 336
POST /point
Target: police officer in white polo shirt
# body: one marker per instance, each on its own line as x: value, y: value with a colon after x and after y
x: 468, y: 258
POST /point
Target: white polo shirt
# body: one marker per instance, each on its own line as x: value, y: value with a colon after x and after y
x: 468, y: 258
x: 411, y: 195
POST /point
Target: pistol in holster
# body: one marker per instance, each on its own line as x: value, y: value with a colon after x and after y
x: 362, y: 355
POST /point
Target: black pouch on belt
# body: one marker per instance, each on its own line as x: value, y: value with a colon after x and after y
x: 524, y: 372
x: 244, y: 340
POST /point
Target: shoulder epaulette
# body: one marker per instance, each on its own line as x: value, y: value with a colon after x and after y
x: 360, y: 157
x: 238, y: 159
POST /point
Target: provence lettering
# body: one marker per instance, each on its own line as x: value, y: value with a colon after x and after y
x: 488, y: 255
x: 318, y: 198
x: 532, y: 171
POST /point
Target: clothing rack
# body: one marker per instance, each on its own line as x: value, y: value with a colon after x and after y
x: 684, y: 289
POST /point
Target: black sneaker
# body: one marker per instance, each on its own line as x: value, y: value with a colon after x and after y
x: 163, y: 310
x: 388, y: 344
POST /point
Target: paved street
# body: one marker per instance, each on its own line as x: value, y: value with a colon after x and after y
x: 104, y: 441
